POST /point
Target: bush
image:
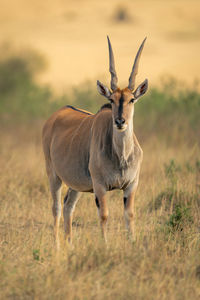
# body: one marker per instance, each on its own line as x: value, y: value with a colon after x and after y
x: 121, y: 15
x: 21, y: 97
x: 163, y: 111
x: 179, y: 218
x: 168, y: 109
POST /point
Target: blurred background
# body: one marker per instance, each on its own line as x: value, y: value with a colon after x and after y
x: 71, y: 35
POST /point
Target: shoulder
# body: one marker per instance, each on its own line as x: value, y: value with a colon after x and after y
x: 104, y: 116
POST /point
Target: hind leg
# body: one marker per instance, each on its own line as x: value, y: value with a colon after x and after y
x: 55, y: 187
x: 70, y: 201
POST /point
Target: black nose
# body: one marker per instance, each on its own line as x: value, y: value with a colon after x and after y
x: 119, y: 121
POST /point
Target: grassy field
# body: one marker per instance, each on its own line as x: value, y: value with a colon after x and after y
x: 163, y: 262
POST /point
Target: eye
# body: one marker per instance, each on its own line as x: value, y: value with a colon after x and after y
x: 132, y: 100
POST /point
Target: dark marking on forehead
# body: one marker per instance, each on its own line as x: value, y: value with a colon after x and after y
x: 120, y: 110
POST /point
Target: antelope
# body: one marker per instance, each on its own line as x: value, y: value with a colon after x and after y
x: 95, y: 152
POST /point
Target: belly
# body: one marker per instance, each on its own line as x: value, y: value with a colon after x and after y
x: 75, y: 177
x: 73, y: 167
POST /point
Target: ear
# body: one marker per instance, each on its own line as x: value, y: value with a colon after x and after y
x: 103, y: 90
x: 141, y: 89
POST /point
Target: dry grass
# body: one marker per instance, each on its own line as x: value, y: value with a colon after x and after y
x: 163, y: 263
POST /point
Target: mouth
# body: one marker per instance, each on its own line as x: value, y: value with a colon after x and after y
x: 121, y: 128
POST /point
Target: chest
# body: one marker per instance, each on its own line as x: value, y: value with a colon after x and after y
x: 115, y: 161
x: 118, y: 174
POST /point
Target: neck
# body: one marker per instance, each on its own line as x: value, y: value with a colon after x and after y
x: 123, y: 143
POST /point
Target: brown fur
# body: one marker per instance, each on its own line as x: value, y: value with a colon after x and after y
x: 79, y: 151
x: 94, y: 152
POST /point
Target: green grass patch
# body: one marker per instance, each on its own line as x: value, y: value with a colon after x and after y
x: 179, y: 218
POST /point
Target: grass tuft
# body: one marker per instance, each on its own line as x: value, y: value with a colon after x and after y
x: 179, y: 219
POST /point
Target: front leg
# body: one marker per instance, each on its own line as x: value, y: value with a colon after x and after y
x: 101, y: 204
x: 129, y: 197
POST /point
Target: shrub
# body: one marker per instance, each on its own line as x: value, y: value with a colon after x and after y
x: 170, y: 111
x: 179, y: 218
x: 121, y: 14
x: 21, y: 96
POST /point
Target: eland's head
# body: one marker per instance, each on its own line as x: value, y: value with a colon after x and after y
x: 123, y: 100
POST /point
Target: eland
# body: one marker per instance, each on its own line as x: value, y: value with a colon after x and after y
x: 95, y: 152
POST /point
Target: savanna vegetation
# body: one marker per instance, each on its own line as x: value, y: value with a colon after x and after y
x: 163, y: 262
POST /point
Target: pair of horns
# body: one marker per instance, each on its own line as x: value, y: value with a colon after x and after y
x: 134, y: 71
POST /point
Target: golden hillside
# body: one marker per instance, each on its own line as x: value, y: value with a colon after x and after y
x: 72, y: 35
